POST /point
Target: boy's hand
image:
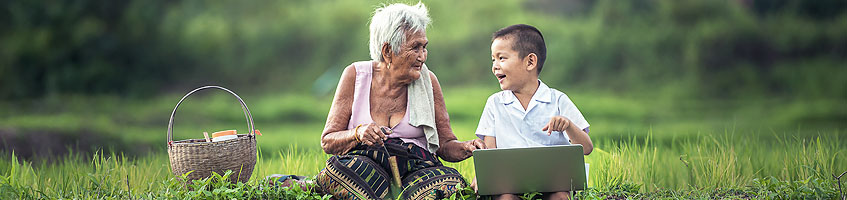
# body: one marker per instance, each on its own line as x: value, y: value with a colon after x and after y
x: 557, y: 123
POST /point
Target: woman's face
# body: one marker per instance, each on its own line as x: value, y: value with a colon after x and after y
x: 412, y: 56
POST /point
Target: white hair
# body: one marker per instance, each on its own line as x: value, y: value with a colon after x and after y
x: 390, y: 23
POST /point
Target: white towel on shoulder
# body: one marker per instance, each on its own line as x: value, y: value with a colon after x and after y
x: 422, y: 108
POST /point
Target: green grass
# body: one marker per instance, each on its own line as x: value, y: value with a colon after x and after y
x: 118, y: 177
x: 790, y: 168
x: 656, y: 147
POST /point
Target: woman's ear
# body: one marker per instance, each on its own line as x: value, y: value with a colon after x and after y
x: 531, y: 61
x: 386, y: 52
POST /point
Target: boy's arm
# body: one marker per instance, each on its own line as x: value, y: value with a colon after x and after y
x: 577, y: 136
x: 490, y: 142
x: 572, y: 124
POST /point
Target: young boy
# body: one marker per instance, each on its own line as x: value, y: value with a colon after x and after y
x: 527, y: 113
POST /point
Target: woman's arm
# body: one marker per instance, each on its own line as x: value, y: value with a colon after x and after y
x: 336, y: 139
x: 450, y: 148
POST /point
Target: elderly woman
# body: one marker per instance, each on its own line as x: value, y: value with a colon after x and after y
x: 388, y: 120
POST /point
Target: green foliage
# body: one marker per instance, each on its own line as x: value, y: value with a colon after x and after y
x: 704, y: 49
x: 56, y: 47
x: 466, y: 192
x: 102, y: 184
x: 531, y: 196
x: 687, y: 99
x: 809, y: 188
x: 764, y: 188
x: 709, y: 167
x: 218, y: 187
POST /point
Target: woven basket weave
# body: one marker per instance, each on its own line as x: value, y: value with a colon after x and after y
x: 201, y: 158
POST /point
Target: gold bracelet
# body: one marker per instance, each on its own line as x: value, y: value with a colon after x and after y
x: 356, y: 133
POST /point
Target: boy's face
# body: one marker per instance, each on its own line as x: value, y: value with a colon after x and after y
x: 511, y: 70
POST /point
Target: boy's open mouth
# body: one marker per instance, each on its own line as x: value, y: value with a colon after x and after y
x: 500, y: 77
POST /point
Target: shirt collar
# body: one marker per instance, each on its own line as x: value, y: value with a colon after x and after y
x: 542, y: 94
x: 507, y: 97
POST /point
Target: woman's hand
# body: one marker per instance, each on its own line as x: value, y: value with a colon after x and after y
x: 469, y: 146
x: 474, y: 145
x: 451, y: 149
x: 455, y: 151
x: 372, y: 134
x: 557, y: 123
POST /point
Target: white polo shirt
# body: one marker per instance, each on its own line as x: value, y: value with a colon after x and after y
x: 505, y: 118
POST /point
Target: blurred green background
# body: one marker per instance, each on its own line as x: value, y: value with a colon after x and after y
x: 88, y: 74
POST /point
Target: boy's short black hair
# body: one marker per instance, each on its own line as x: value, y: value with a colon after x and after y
x: 527, y: 39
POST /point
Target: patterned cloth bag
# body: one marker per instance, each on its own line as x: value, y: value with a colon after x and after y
x: 362, y: 173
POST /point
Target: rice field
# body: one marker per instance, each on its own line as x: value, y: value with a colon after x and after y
x: 640, y: 152
x: 694, y: 166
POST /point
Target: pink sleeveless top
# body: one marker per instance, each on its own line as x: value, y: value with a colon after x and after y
x: 362, y: 108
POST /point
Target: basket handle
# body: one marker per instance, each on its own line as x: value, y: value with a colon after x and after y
x: 243, y: 107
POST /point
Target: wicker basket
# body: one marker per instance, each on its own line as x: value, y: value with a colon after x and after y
x: 201, y: 158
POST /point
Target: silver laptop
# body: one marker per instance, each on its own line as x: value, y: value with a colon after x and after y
x: 531, y: 169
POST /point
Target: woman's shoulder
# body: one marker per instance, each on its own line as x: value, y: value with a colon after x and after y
x: 365, y: 66
x: 362, y: 63
x: 356, y: 68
